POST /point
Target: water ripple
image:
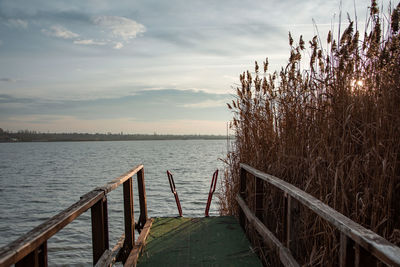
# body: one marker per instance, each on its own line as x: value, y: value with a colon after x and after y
x: 45, y: 178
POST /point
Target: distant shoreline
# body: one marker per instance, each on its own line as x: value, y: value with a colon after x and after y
x: 29, y: 136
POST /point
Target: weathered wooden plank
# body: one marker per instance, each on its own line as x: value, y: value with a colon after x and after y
x: 27, y: 243
x: 259, y: 184
x: 42, y: 255
x: 346, y: 256
x: 242, y: 192
x: 117, y: 248
x: 142, y: 199
x: 286, y: 258
x: 375, y: 244
x: 110, y: 257
x: 110, y: 186
x: 34, y: 242
x: 268, y: 237
x: 99, y: 218
x: 140, y: 243
x: 128, y: 219
x: 37, y: 258
x: 364, y: 258
x: 30, y: 260
x: 292, y: 227
x: 105, y: 259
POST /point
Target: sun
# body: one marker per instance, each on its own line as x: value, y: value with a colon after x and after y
x: 356, y: 84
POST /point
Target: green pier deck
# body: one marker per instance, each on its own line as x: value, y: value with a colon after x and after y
x: 212, y: 241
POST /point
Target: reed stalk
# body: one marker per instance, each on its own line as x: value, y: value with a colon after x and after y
x: 332, y: 130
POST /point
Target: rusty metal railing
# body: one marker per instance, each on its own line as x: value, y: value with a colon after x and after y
x: 211, y: 192
x: 173, y: 190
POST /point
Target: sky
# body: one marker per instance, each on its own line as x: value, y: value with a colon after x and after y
x: 165, y: 67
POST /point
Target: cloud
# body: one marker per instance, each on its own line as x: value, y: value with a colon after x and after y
x: 7, y: 80
x: 1, y: 42
x: 17, y: 23
x: 120, y: 26
x: 206, y: 104
x: 88, y: 42
x: 60, y: 32
x: 118, y: 45
x: 8, y: 99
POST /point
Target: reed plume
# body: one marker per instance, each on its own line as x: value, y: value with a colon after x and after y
x: 332, y: 130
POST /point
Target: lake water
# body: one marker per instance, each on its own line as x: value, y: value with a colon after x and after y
x: 38, y: 180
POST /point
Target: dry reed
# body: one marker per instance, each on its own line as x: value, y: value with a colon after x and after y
x: 332, y: 130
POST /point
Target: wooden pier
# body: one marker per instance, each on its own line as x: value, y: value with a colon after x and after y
x: 209, y: 241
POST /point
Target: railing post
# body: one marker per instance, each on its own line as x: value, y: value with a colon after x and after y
x: 352, y: 254
x: 129, y: 219
x: 99, y: 216
x: 142, y: 199
x: 259, y: 184
x: 242, y: 192
x: 292, y: 210
x: 37, y: 258
x: 346, y: 255
x: 365, y: 257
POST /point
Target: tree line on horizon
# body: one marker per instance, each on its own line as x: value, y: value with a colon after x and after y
x: 34, y: 136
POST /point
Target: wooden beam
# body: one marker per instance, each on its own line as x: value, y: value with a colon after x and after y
x: 242, y: 193
x: 37, y: 258
x: 129, y: 219
x: 30, y: 260
x: 259, y: 184
x: 99, y: 229
x: 142, y: 199
x: 30, y: 242
x: 141, y: 242
x: 372, y: 242
x: 110, y: 186
x: 109, y: 257
x: 292, y: 211
x: 286, y: 257
x: 27, y: 243
x: 105, y: 259
x: 268, y: 237
x: 347, y: 255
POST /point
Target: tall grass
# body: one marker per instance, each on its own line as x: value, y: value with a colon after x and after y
x: 333, y: 130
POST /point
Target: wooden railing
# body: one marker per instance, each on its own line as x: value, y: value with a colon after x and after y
x: 357, y: 244
x: 31, y: 248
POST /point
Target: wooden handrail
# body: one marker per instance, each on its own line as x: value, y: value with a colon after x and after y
x: 268, y: 236
x: 31, y: 248
x: 350, y: 230
x: 110, y: 186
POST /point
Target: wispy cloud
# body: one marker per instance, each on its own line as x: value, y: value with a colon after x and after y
x: 17, y: 23
x: 120, y: 26
x: 118, y: 45
x: 206, y: 104
x: 7, y: 80
x: 89, y: 42
x: 121, y: 30
x: 60, y: 32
